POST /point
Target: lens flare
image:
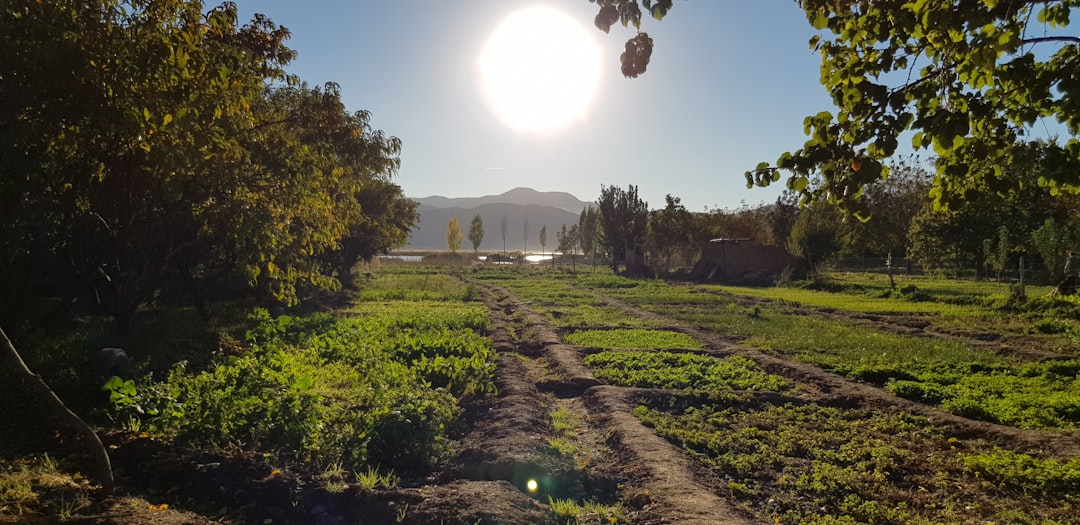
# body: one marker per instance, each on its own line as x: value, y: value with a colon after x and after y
x: 531, y: 485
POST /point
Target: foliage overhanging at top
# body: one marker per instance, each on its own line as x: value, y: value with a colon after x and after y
x: 969, y: 79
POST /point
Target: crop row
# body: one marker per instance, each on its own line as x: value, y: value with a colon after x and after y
x: 378, y: 383
x: 958, y: 377
x: 807, y: 463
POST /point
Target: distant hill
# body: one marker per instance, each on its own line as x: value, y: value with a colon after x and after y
x: 523, y: 196
x: 519, y: 206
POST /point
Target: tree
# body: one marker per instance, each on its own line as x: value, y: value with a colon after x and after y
x: 115, y: 129
x: 970, y: 235
x: 453, y: 235
x: 968, y: 80
x: 816, y: 234
x: 638, y: 50
x: 388, y: 216
x: 589, y: 232
x: 476, y: 233
x: 568, y: 242
x: 1054, y: 242
x: 781, y: 218
x: 891, y: 204
x: 504, y: 226
x: 155, y: 146
x: 543, y: 239
x: 624, y: 221
x: 668, y: 233
x: 525, y: 236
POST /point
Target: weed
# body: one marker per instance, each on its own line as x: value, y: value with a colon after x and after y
x: 334, y: 478
x: 68, y: 509
x: 565, y: 422
x: 565, y: 508
x: 372, y: 478
x: 562, y: 446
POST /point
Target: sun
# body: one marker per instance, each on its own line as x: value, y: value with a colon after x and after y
x: 539, y: 70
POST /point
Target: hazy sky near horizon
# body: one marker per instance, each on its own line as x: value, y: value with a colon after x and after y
x: 728, y: 86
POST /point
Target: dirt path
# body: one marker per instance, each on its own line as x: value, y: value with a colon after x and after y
x: 658, y: 481
x: 666, y: 485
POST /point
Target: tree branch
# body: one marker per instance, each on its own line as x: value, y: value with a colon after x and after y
x: 102, y: 467
x: 1041, y: 39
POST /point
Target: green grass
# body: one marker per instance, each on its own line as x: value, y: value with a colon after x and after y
x: 682, y: 371
x: 822, y: 341
x: 632, y: 338
x: 388, y: 285
x: 852, y: 302
x: 590, y: 316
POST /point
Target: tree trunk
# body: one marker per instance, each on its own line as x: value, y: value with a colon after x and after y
x: 102, y: 468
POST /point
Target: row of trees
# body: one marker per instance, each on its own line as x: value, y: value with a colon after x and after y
x: 987, y: 233
x: 150, y: 148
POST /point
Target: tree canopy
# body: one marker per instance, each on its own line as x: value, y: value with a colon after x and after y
x: 152, y: 146
x: 623, y: 220
x: 967, y: 80
x: 476, y: 232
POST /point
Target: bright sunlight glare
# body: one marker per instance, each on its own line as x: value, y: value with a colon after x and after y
x: 531, y: 485
x: 539, y: 70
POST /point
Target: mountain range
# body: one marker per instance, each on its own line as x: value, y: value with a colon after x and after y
x: 524, y: 210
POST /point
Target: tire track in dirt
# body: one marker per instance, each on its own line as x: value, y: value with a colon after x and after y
x: 658, y: 481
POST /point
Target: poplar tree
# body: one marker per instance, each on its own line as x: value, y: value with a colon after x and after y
x: 453, y: 234
x: 476, y: 233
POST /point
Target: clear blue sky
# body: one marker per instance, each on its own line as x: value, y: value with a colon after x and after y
x: 728, y: 86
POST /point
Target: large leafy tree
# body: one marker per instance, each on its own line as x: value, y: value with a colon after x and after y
x: 669, y: 233
x: 624, y: 221
x: 891, y: 205
x: 149, y: 145
x: 967, y: 80
x: 387, y: 217
x: 816, y: 234
x: 589, y: 232
x: 986, y: 228
x: 114, y: 117
x: 319, y: 178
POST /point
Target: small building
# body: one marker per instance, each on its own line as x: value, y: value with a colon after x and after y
x: 744, y: 261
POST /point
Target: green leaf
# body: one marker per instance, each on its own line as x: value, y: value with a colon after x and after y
x: 146, y: 114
